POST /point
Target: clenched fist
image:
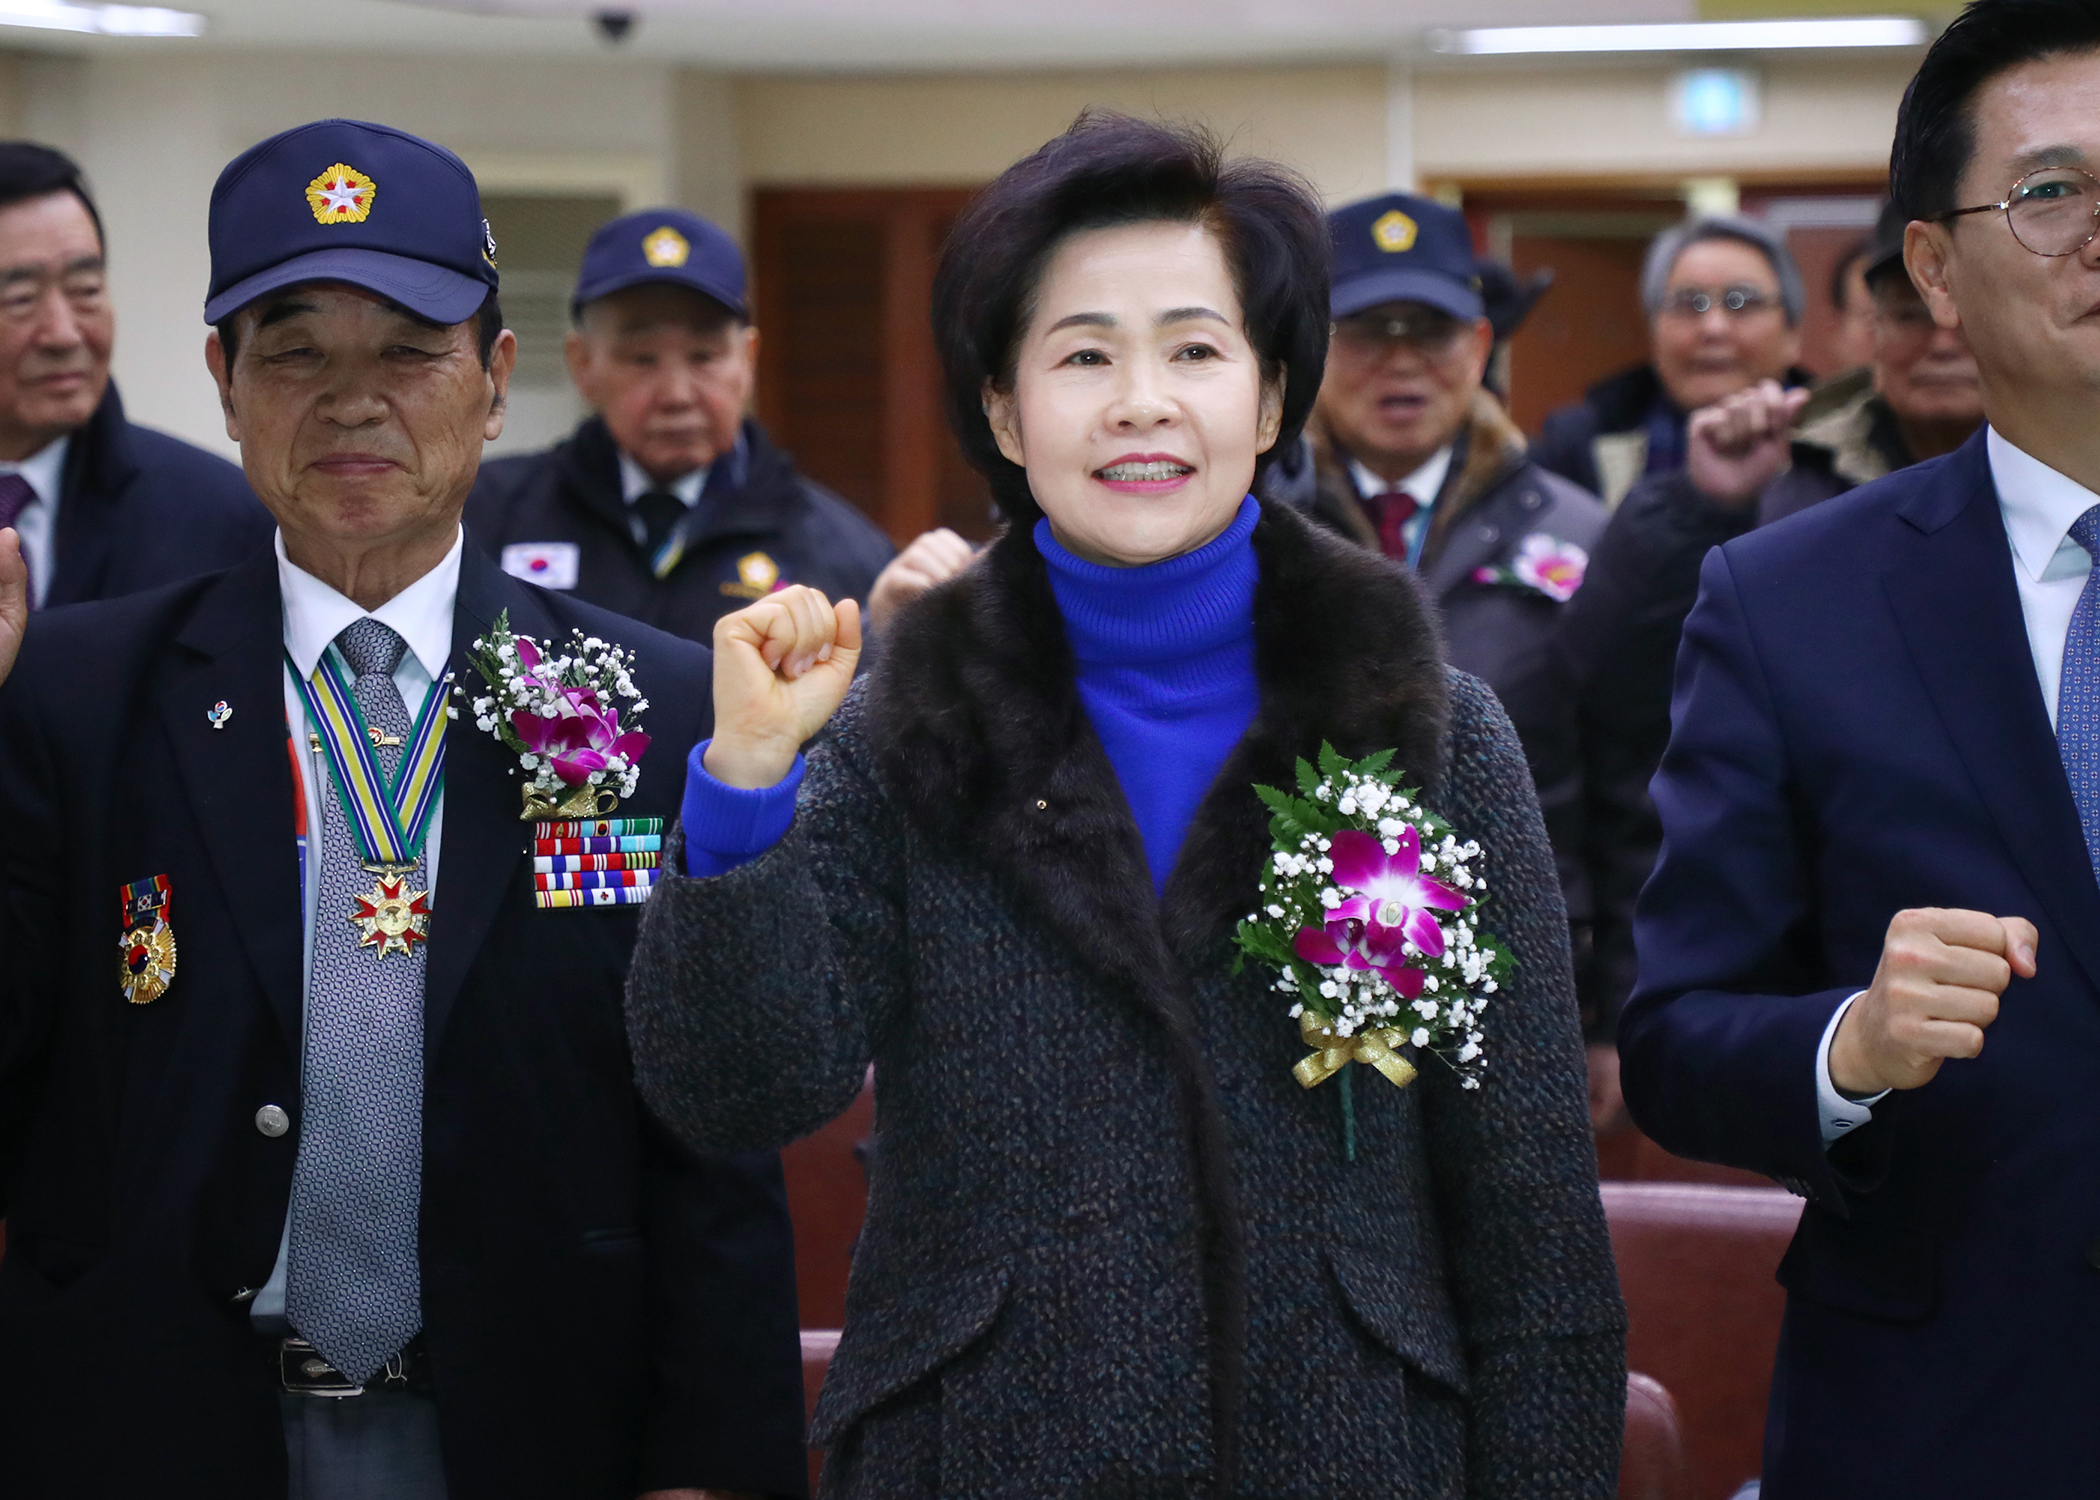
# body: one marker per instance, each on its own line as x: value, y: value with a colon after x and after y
x: 782, y: 667
x: 933, y: 558
x: 14, y: 599
x: 1740, y: 444
x: 1935, y: 991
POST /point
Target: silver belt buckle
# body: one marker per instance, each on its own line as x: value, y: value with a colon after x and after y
x: 305, y: 1373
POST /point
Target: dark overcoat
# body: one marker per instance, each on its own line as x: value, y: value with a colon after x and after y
x: 1112, y: 1247
x: 1860, y: 731
x: 604, y: 1311
x: 138, y: 509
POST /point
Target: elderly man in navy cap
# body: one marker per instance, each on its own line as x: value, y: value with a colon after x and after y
x: 1411, y: 456
x: 323, y: 1169
x: 668, y: 504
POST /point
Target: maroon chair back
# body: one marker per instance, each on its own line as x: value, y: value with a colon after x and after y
x: 827, y: 1190
x: 1653, y: 1465
x: 1697, y: 1265
x: 1626, y: 1155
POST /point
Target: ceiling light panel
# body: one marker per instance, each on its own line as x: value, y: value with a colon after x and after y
x: 1840, y: 32
x: 101, y: 20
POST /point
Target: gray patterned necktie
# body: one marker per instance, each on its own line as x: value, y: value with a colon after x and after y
x: 354, y: 1284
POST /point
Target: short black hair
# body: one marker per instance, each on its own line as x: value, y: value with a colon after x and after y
x: 29, y: 170
x: 1108, y: 170
x: 488, y: 322
x: 1935, y: 129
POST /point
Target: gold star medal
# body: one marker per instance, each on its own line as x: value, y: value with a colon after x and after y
x: 146, y: 943
x: 391, y: 917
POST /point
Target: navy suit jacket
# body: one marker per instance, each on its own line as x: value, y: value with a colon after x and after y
x: 139, y: 509
x: 1859, y: 730
x: 604, y: 1311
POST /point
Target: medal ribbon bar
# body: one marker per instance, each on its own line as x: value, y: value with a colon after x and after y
x: 589, y: 880
x: 646, y: 843
x: 599, y: 828
x: 555, y: 864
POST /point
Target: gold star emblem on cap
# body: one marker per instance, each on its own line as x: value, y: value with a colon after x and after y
x: 341, y: 195
x: 666, y: 247
x: 1394, y: 232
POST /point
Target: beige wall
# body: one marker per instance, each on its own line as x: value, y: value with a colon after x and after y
x: 1597, y: 120
x: 153, y: 131
x: 154, y: 128
x: 1330, y: 123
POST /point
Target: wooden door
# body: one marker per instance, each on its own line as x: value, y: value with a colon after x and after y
x: 848, y: 378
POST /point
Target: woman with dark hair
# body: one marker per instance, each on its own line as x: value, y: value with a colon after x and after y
x: 1113, y: 1247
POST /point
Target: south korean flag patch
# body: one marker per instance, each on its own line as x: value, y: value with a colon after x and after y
x: 551, y: 565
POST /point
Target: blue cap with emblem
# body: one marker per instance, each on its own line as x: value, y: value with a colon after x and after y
x: 662, y: 245
x: 343, y: 200
x: 1403, y: 248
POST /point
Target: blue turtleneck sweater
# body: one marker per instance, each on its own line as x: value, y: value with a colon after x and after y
x: 1165, y: 664
x: 1165, y: 660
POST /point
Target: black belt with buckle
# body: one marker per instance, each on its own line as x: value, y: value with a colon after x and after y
x: 303, y: 1372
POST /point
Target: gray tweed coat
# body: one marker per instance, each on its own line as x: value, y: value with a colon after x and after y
x: 1112, y: 1247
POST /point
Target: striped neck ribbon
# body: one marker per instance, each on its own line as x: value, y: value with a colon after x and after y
x: 389, y: 820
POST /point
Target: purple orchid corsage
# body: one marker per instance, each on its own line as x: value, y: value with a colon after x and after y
x: 1370, y: 916
x: 1543, y: 564
x: 558, y: 710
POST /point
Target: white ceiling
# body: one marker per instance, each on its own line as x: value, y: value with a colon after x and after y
x: 861, y: 35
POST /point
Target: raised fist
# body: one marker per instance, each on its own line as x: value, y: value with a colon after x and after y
x: 1741, y: 443
x: 14, y: 599
x: 782, y: 667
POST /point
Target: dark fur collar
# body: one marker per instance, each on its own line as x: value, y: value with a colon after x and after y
x: 978, y: 732
x: 978, y: 729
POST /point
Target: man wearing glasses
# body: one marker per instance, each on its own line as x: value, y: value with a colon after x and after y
x: 1723, y: 298
x: 1870, y: 954
x: 103, y: 507
x: 1408, y: 454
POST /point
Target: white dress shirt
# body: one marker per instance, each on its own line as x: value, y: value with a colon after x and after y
x: 2038, y: 506
x: 635, y: 483
x: 37, y: 526
x: 1423, y: 486
x: 314, y: 615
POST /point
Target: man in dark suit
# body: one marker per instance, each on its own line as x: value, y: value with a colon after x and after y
x: 669, y: 504
x: 1870, y: 953
x: 322, y: 1162
x: 103, y: 506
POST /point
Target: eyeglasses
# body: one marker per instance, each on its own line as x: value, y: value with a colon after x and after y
x: 1425, y: 332
x: 1736, y: 301
x: 2053, y: 212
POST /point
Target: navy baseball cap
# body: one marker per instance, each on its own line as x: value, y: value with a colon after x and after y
x: 662, y: 245
x: 1403, y: 248
x: 343, y: 200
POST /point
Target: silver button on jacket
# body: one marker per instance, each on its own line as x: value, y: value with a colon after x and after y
x: 272, y: 1121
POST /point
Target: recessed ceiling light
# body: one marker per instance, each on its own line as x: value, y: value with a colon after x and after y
x: 1689, y: 36
x: 101, y: 20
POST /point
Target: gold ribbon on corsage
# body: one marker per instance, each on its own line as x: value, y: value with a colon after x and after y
x: 1332, y: 1053
x: 584, y: 802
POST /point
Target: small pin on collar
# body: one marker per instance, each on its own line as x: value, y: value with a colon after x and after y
x: 219, y: 713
